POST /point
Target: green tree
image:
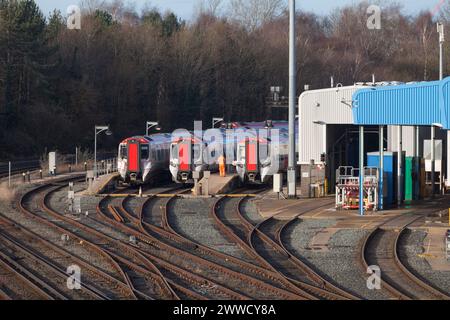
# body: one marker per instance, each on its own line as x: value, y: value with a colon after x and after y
x: 23, y: 52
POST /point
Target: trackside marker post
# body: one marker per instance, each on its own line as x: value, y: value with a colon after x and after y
x: 9, y: 174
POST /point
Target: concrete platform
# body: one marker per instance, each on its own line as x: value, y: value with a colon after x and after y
x: 102, y: 184
x: 434, y: 248
x: 220, y: 185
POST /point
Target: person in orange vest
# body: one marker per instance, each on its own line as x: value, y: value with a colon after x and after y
x: 222, y: 164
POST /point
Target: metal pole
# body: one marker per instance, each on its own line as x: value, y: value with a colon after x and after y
x: 381, y: 178
x: 441, y: 31
x: 441, y: 58
x: 95, y: 153
x: 292, y: 188
x: 417, y: 142
x: 361, y: 170
x: 433, y: 163
x: 441, y: 77
x: 400, y: 166
x: 9, y: 174
x: 76, y: 157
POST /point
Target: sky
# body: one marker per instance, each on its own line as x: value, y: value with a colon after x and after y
x: 186, y: 8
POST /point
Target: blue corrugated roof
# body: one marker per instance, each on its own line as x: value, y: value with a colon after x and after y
x: 423, y: 103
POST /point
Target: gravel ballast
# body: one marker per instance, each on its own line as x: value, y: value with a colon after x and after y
x: 339, y: 264
x: 411, y: 246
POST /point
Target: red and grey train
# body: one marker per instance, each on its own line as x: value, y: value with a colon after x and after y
x: 255, y: 157
x: 143, y: 157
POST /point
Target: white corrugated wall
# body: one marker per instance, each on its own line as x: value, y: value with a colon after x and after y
x: 329, y: 106
x: 408, y: 138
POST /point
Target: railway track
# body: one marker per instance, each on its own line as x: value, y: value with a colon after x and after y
x: 279, y: 230
x: 203, y: 256
x: 169, y: 260
x: 238, y: 229
x: 234, y: 268
x: 264, y: 238
x: 141, y: 282
x: 15, y: 285
x: 380, y: 248
x: 109, y: 286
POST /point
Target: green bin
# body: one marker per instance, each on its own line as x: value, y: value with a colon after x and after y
x: 411, y: 179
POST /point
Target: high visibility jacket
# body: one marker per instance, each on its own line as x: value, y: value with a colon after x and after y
x: 222, y: 160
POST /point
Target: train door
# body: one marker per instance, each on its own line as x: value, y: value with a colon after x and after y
x: 184, y: 156
x: 134, y: 158
x: 251, y: 156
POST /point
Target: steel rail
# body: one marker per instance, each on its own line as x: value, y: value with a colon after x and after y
x: 183, y: 273
x: 315, y: 291
x: 189, y: 245
x: 34, y: 239
x: 50, y: 265
x: 309, y: 271
x: 125, y: 248
x: 395, y: 287
x: 105, y: 252
x: 18, y: 272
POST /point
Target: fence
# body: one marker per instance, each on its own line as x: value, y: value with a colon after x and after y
x: 27, y: 171
x: 106, y: 166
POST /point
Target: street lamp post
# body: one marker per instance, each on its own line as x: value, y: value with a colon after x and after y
x: 216, y: 121
x: 441, y: 31
x: 98, y: 130
x: 150, y: 125
x: 292, y: 186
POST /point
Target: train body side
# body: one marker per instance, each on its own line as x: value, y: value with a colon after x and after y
x: 143, y: 157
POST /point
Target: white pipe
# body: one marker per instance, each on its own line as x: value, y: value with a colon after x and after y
x: 433, y: 161
x: 400, y: 165
x: 381, y: 177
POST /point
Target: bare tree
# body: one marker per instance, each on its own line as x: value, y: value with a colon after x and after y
x: 254, y: 13
x: 90, y: 6
x: 210, y: 7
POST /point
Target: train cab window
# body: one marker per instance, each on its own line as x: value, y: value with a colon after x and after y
x: 174, y: 151
x: 196, y: 151
x: 145, y: 152
x: 123, y: 152
x: 241, y: 155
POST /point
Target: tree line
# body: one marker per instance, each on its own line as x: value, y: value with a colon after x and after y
x: 125, y: 67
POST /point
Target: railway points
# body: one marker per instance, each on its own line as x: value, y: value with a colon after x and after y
x: 248, y: 235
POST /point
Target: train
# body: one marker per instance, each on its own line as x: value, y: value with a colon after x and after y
x: 256, y: 153
x: 259, y: 158
x: 141, y: 158
x: 189, y: 155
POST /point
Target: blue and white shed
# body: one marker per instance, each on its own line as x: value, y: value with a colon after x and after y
x: 416, y: 104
